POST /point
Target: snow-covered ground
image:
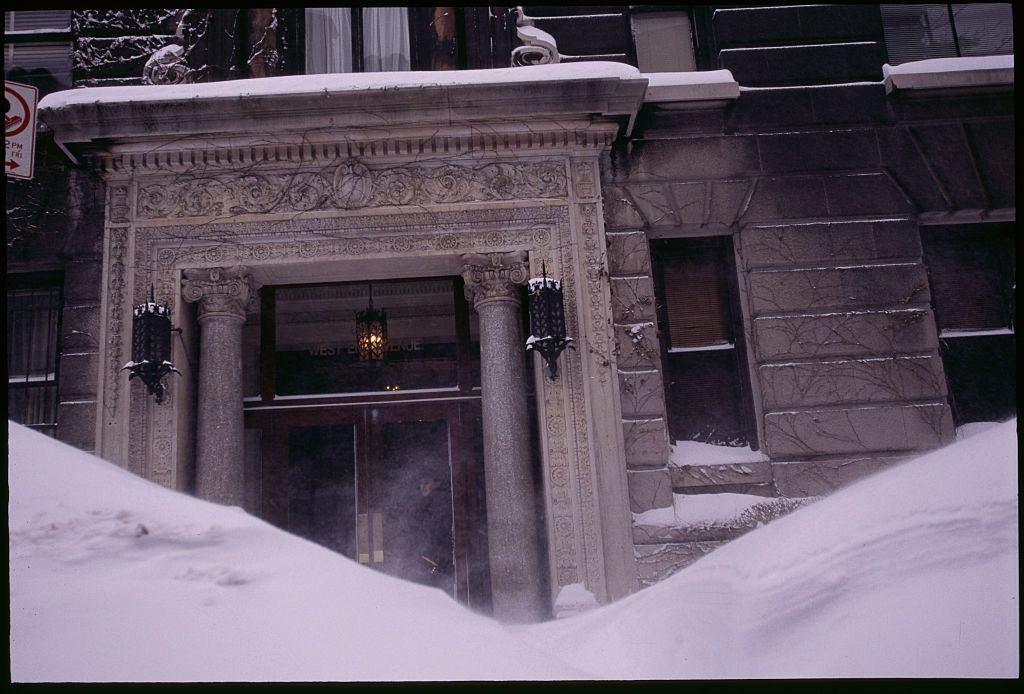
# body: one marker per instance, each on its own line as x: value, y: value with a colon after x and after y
x: 911, y: 572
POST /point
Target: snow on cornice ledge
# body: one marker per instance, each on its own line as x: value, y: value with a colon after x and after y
x: 950, y: 73
x: 340, y: 83
x: 711, y: 85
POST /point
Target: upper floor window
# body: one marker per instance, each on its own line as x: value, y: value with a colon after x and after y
x: 663, y: 40
x: 33, y: 325
x: 923, y: 31
x: 357, y: 39
x: 37, y: 49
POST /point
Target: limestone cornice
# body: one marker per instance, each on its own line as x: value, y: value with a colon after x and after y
x: 285, y: 152
x: 499, y: 100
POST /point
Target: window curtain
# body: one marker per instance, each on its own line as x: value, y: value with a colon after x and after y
x: 328, y: 40
x: 385, y: 39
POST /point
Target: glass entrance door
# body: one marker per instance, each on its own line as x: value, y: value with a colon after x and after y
x: 397, y: 487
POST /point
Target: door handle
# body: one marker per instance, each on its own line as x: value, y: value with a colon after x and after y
x: 378, y: 537
x: 363, y: 537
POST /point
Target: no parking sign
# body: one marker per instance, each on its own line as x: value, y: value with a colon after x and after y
x: 19, y: 129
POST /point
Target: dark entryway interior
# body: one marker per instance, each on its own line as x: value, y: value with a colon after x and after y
x: 379, y: 460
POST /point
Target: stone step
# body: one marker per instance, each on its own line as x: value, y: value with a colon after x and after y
x: 834, y: 63
x: 795, y: 25
x: 667, y: 540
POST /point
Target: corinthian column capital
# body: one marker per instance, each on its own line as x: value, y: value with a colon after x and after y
x: 219, y: 291
x: 494, y: 276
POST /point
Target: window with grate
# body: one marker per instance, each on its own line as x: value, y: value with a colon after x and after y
x: 357, y: 39
x: 972, y: 273
x: 706, y: 386
x: 37, y: 49
x: 33, y: 349
x: 923, y: 31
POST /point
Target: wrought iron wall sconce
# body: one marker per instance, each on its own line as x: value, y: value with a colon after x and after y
x: 151, y: 347
x: 547, y: 320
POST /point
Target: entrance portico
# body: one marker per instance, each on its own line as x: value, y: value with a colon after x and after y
x: 500, y: 179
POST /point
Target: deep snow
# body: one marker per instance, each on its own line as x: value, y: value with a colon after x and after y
x: 910, y: 572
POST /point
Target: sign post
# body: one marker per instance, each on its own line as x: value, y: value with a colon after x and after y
x: 19, y: 129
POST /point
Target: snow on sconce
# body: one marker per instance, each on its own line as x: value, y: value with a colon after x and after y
x: 547, y: 320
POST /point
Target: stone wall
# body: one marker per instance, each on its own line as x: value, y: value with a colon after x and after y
x: 823, y: 190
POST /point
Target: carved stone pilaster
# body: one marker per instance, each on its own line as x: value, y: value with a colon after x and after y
x: 219, y: 291
x: 494, y: 276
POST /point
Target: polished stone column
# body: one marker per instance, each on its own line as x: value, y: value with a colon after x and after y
x: 492, y: 284
x: 222, y: 294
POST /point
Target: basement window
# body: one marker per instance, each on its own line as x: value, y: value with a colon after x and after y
x: 706, y: 386
x: 33, y: 349
x: 972, y: 273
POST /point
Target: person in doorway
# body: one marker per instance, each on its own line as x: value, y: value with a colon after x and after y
x: 433, y: 523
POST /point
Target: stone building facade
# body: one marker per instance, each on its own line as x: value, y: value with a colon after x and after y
x: 764, y: 257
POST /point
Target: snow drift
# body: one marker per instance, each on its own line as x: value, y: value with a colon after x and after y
x: 911, y: 572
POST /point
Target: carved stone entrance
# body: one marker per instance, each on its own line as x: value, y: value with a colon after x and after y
x: 510, y: 166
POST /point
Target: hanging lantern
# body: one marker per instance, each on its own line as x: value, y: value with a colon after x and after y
x: 547, y: 320
x: 151, y: 346
x: 371, y: 332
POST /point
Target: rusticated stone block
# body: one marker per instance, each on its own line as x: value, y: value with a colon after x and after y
x: 822, y: 477
x: 693, y: 158
x: 619, y: 210
x: 632, y: 299
x: 82, y: 282
x: 844, y: 334
x: 857, y: 430
x: 838, y: 242
x: 652, y: 203
x: 828, y: 151
x: 949, y: 155
x: 80, y: 329
x: 693, y: 476
x: 649, y: 489
x: 657, y: 562
x: 642, y: 394
x: 637, y: 346
x: 629, y: 253
x: 896, y: 284
x: 787, y: 197
x: 78, y: 375
x: 872, y: 380
x: 864, y: 194
x: 708, y: 203
x: 645, y: 442
x: 76, y: 424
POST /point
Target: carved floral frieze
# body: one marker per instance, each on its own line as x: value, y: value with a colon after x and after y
x: 349, y: 185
